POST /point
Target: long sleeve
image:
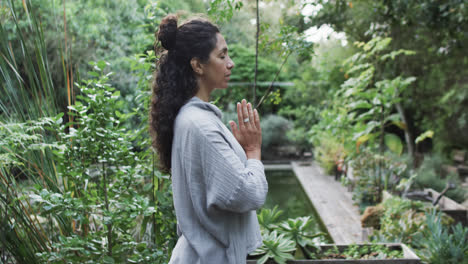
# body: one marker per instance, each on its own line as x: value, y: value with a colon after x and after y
x: 230, y: 184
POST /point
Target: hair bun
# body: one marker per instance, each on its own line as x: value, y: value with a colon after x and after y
x: 168, y: 32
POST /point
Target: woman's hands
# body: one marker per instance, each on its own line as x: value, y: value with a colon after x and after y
x: 249, y: 133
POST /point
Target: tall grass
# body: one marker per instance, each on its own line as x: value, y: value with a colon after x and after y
x: 31, y: 106
x: 27, y: 92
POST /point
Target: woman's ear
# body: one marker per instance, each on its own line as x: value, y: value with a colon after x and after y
x: 197, y: 66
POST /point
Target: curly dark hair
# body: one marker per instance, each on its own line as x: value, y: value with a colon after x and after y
x: 175, y: 81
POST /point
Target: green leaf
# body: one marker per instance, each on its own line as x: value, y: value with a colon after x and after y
x: 263, y: 259
x: 427, y: 134
x: 102, y: 65
x: 393, y: 142
x: 94, y: 74
x: 360, y: 105
x: 108, y: 259
x: 447, y: 96
x: 116, y: 94
x: 141, y: 247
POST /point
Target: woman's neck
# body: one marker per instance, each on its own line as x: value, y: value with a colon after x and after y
x: 205, y: 97
x: 203, y: 92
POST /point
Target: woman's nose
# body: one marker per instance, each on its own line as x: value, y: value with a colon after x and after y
x: 230, y: 64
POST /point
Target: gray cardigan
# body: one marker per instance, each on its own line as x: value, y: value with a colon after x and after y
x: 216, y: 189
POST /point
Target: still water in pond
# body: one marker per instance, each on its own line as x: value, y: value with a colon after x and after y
x: 285, y: 191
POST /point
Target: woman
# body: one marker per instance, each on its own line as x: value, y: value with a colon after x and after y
x: 218, y: 180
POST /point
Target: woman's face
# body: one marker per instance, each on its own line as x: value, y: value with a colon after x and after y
x: 217, y: 71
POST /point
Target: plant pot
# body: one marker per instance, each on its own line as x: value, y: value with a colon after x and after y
x: 409, y: 257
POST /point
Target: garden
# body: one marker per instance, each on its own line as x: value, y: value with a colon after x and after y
x: 375, y: 93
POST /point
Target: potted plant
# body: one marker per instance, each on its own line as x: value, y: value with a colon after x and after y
x: 291, y: 242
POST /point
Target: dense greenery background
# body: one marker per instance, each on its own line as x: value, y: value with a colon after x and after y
x: 78, y: 180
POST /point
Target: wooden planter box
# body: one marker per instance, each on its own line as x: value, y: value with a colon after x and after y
x: 457, y: 211
x: 409, y: 257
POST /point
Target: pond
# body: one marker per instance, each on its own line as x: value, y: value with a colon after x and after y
x: 285, y: 191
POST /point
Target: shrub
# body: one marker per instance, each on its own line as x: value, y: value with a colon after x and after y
x: 328, y: 151
x: 430, y: 175
x: 274, y: 129
x: 401, y: 221
x: 441, y: 244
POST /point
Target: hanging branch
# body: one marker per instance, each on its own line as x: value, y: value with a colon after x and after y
x: 274, y: 79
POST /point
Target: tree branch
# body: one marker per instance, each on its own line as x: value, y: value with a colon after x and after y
x: 271, y: 85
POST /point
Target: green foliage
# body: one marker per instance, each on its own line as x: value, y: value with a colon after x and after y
x: 374, y: 173
x: 275, y: 246
x: 424, y: 229
x: 358, y: 252
x: 26, y: 77
x: 243, y: 74
x: 328, y: 151
x: 274, y: 130
x: 375, y: 251
x: 361, y: 111
x: 267, y: 218
x: 99, y: 140
x: 393, y: 143
x: 49, y: 44
x: 244, y: 58
x: 427, y: 134
x: 280, y: 239
x: 278, y: 40
x: 289, y: 40
x: 441, y: 244
x: 370, y: 99
x: 438, y: 96
x: 313, y: 84
x: 402, y: 221
x: 298, y: 231
x: 95, y: 207
x: 22, y: 145
x: 223, y: 10
x: 431, y: 175
x: 181, y: 7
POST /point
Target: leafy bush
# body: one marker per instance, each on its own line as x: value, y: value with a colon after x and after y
x: 421, y: 227
x: 441, y: 244
x: 268, y: 218
x: 375, y: 173
x: 274, y: 129
x: 401, y: 221
x: 275, y: 246
x: 328, y: 151
x: 281, y: 239
x: 99, y: 206
x: 431, y: 175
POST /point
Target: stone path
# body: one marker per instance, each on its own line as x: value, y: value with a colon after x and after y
x: 332, y: 202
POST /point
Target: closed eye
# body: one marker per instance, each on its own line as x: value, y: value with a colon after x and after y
x: 223, y: 53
